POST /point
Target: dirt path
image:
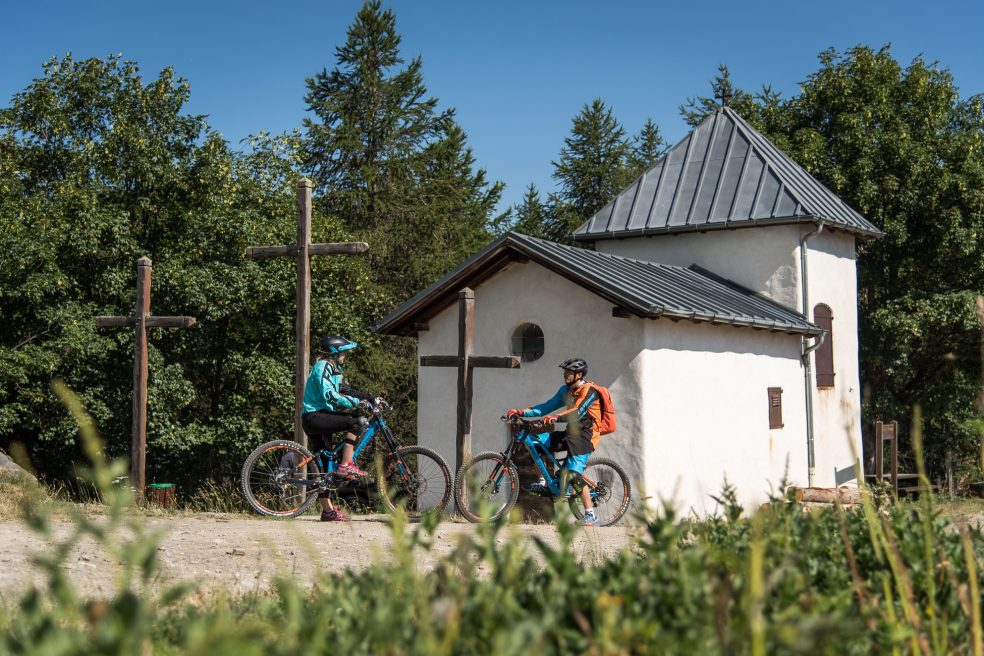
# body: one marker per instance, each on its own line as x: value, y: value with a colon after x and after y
x: 240, y: 555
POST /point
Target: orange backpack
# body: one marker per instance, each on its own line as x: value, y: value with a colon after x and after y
x: 607, y: 423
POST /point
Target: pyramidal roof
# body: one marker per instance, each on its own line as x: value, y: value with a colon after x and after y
x: 724, y: 174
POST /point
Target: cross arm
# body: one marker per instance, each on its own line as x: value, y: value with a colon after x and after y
x: 485, y: 361
x: 494, y: 361
x: 439, y: 360
x: 115, y: 322
x: 339, y: 248
x: 170, y: 322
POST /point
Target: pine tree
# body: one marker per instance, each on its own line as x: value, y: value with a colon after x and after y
x: 592, y: 166
x: 648, y: 146
x: 387, y: 161
x: 533, y: 216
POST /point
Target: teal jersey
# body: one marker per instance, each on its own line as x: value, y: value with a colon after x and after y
x: 323, y: 390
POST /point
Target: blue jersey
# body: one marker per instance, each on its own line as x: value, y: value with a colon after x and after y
x: 326, y: 389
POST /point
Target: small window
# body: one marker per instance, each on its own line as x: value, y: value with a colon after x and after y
x: 527, y: 342
x: 775, y: 407
x: 824, y: 356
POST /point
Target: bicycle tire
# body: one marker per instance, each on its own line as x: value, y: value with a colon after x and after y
x: 466, y: 478
x: 611, y: 508
x: 432, y: 475
x: 262, y: 488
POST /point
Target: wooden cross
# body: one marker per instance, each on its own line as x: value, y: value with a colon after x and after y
x: 465, y: 362
x: 302, y: 252
x: 141, y: 320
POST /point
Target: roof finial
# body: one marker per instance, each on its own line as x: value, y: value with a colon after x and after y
x: 725, y: 96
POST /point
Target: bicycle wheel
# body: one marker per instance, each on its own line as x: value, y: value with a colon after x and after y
x: 417, y: 478
x: 272, y: 482
x: 486, y: 483
x: 610, y: 491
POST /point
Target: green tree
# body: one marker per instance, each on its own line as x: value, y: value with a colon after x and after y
x: 592, y: 167
x: 900, y: 145
x: 647, y: 147
x: 388, y: 162
x: 532, y: 216
x: 99, y: 167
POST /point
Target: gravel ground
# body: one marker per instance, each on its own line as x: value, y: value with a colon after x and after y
x: 238, y: 555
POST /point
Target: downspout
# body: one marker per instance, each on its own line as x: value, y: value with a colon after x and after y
x: 805, y: 354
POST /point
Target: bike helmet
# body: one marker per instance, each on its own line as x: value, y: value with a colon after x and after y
x: 575, y: 364
x: 334, y: 344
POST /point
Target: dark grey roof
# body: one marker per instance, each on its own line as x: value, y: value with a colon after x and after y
x: 724, y: 174
x: 645, y: 289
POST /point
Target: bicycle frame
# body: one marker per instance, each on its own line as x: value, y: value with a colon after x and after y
x: 537, y: 450
x: 376, y: 426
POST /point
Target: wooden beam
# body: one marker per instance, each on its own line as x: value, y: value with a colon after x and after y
x: 343, y: 248
x: 115, y: 322
x: 138, y: 451
x: 439, y: 360
x: 494, y: 361
x: 419, y: 327
x: 257, y: 252
x: 302, y: 323
x: 170, y: 322
x: 466, y: 341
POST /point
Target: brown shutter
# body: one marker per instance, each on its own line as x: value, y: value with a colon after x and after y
x: 824, y: 356
x: 775, y: 407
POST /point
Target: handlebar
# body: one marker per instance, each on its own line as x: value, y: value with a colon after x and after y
x: 516, y: 420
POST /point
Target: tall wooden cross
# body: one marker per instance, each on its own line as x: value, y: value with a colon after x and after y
x: 141, y: 320
x: 302, y: 252
x: 465, y: 362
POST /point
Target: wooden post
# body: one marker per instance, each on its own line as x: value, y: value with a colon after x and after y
x: 879, y: 452
x: 141, y: 320
x: 302, y: 327
x: 138, y: 451
x: 466, y: 342
x: 465, y: 362
x: 302, y: 252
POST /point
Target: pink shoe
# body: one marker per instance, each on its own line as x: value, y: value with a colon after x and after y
x: 333, y: 515
x: 349, y: 470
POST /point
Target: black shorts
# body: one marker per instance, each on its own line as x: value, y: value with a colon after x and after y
x: 321, y: 424
x: 575, y: 445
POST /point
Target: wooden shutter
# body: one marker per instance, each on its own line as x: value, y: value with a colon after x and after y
x: 775, y: 407
x: 824, y: 356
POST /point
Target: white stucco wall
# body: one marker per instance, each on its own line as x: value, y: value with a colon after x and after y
x: 767, y: 260
x: 575, y: 322
x: 837, y: 411
x: 706, y: 411
x: 763, y: 259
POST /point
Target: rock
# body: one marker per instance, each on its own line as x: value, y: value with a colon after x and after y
x: 9, y: 467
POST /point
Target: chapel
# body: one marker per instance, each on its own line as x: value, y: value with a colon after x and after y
x: 715, y: 296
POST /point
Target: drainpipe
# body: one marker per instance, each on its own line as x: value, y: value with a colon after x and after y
x: 805, y: 354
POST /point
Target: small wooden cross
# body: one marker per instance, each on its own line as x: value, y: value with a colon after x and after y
x: 302, y: 252
x: 465, y: 362
x: 141, y: 320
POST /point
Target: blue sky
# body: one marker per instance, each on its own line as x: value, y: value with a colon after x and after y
x: 516, y: 72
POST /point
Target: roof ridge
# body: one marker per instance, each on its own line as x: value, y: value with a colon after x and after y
x: 753, y: 136
x: 663, y: 265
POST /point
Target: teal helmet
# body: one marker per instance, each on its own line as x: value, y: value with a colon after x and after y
x: 334, y: 344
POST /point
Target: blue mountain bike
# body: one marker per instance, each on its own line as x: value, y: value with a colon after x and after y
x: 283, y: 478
x: 490, y: 480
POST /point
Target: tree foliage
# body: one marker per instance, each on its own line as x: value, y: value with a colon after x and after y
x: 97, y: 168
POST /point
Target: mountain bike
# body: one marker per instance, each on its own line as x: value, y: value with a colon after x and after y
x: 283, y: 478
x: 491, y: 479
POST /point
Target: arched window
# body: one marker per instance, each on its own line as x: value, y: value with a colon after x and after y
x: 527, y: 342
x: 823, y: 317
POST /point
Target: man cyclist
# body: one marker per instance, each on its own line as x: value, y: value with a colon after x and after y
x: 329, y: 402
x: 582, y: 403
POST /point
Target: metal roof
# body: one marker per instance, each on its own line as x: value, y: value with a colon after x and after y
x: 644, y: 289
x: 724, y: 174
